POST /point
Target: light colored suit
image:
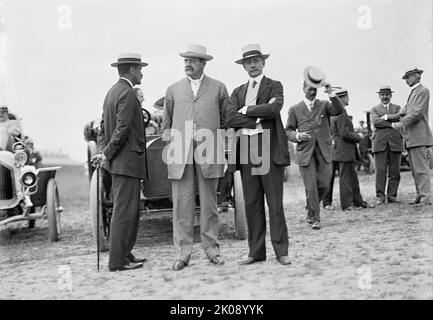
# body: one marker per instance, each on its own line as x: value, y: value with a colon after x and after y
x: 418, y: 139
x: 387, y: 144
x: 185, y: 115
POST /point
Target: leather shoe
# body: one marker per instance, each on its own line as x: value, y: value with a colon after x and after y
x: 127, y: 267
x: 365, y: 204
x: 310, y: 221
x: 179, y: 265
x: 391, y: 200
x: 284, y: 260
x: 249, y: 260
x: 134, y: 259
x: 416, y: 201
x: 380, y: 202
x: 328, y: 207
x: 316, y: 225
x: 352, y: 208
x: 217, y: 260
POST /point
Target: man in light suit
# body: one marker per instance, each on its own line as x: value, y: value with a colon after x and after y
x: 122, y: 142
x: 192, y: 105
x: 418, y: 136
x: 387, y: 143
x: 345, y: 152
x: 308, y: 126
x: 261, y: 100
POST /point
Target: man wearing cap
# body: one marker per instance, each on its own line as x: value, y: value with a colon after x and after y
x: 308, y: 126
x: 122, y: 142
x: 195, y: 105
x: 418, y: 136
x: 387, y: 145
x: 261, y: 100
x: 345, y: 152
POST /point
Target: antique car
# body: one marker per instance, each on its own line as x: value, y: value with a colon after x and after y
x: 155, y: 191
x: 28, y: 193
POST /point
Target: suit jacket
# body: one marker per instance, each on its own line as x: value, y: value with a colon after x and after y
x: 383, y: 132
x: 183, y: 112
x: 317, y: 123
x: 416, y: 130
x: 269, y: 114
x: 121, y: 136
x: 345, y: 139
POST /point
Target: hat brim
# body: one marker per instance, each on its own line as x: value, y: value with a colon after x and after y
x: 206, y: 57
x: 142, y: 64
x: 311, y: 83
x: 412, y: 72
x: 264, y: 56
x: 385, y: 92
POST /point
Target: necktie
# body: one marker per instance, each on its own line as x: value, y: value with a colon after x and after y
x: 311, y: 106
x: 254, y: 83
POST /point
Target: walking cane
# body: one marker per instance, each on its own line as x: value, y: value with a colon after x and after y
x: 97, y: 214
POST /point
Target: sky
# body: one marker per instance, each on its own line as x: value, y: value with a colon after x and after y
x: 55, y: 69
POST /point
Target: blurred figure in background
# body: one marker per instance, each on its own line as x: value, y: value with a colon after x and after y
x: 34, y: 158
x: 9, y: 129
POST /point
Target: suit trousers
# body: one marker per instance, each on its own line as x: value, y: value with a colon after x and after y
x: 256, y: 187
x: 327, y: 200
x: 387, y: 163
x: 184, y: 210
x: 316, y: 176
x: 350, y: 194
x: 419, y: 165
x: 125, y: 219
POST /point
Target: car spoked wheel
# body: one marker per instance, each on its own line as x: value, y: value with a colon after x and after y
x: 53, y: 211
x: 104, y: 216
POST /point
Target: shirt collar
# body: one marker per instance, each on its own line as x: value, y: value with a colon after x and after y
x: 416, y: 85
x: 196, y: 80
x: 258, y: 79
x: 308, y: 102
x: 386, y: 105
x: 127, y: 80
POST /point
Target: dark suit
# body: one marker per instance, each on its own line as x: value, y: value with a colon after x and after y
x: 270, y: 183
x: 314, y: 156
x: 345, y: 153
x: 387, y: 144
x: 123, y: 142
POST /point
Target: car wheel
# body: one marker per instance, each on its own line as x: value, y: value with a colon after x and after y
x: 104, y: 227
x: 53, y: 211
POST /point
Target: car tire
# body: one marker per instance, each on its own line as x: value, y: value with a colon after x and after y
x: 53, y: 211
x: 103, y: 240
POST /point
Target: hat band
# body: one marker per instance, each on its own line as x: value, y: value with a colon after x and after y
x: 251, y: 53
x: 314, y: 81
x: 129, y: 60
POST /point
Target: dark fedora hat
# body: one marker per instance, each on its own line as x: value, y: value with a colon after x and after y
x: 385, y: 89
x: 251, y: 50
x: 412, y: 71
x: 129, y: 58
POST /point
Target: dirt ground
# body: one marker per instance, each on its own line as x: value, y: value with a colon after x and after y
x: 380, y: 253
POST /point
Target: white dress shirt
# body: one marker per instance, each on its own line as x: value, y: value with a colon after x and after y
x: 251, y: 100
x: 309, y: 103
x: 195, y: 84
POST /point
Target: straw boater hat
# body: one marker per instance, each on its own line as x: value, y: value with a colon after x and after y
x: 251, y: 50
x: 341, y: 92
x: 412, y: 71
x: 385, y: 89
x: 130, y: 58
x: 196, y: 51
x: 314, y: 77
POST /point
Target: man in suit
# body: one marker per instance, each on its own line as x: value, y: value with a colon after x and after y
x: 122, y: 142
x: 345, y: 153
x: 418, y: 136
x: 387, y: 143
x: 195, y: 105
x: 261, y: 100
x: 308, y: 126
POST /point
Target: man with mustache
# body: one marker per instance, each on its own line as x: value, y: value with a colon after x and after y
x: 194, y: 105
x: 308, y: 126
x: 387, y: 144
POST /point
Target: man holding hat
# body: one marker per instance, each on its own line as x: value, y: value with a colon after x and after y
x: 387, y: 145
x: 308, y: 126
x: 418, y: 136
x: 345, y: 152
x: 122, y: 142
x: 192, y: 105
x: 260, y: 100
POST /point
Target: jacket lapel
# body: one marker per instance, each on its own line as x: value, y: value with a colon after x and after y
x: 242, y: 95
x: 187, y: 89
x: 263, y: 86
x: 203, y: 87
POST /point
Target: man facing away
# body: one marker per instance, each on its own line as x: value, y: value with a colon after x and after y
x: 261, y: 100
x: 387, y: 146
x: 122, y: 142
x: 308, y: 126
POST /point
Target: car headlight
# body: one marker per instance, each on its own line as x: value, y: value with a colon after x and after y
x: 20, y: 158
x: 29, y: 179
